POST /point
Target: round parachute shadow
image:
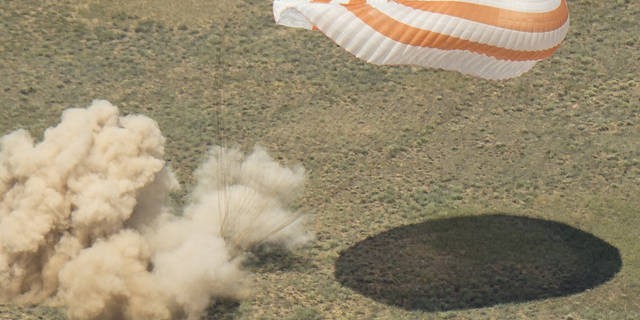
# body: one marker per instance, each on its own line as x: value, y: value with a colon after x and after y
x: 476, y: 261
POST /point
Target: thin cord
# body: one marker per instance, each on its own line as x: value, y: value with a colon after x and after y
x: 223, y: 202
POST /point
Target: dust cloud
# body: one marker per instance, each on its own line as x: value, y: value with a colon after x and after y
x: 85, y: 221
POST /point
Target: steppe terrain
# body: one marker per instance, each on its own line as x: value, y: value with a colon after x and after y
x: 395, y: 155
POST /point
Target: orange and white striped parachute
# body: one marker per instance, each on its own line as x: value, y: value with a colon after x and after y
x: 492, y: 39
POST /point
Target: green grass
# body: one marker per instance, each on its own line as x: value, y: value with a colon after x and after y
x: 385, y: 147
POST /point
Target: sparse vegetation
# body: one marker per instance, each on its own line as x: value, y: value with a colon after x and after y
x: 385, y: 147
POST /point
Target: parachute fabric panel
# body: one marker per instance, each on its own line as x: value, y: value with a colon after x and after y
x: 492, y: 39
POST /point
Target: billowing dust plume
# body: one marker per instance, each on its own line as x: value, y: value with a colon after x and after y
x: 84, y: 219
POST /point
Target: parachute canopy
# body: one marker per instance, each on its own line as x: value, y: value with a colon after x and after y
x: 492, y: 39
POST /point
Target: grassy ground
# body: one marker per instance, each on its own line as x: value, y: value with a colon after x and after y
x: 385, y: 147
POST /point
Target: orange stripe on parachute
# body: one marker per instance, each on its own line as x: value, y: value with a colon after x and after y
x: 503, y: 18
x: 409, y: 35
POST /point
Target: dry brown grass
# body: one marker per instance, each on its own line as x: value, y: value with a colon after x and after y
x: 385, y: 146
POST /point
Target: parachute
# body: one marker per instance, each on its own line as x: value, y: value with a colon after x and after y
x: 491, y: 39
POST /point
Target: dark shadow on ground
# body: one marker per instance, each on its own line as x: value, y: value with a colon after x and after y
x: 476, y: 261
x: 222, y: 310
x: 269, y: 258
